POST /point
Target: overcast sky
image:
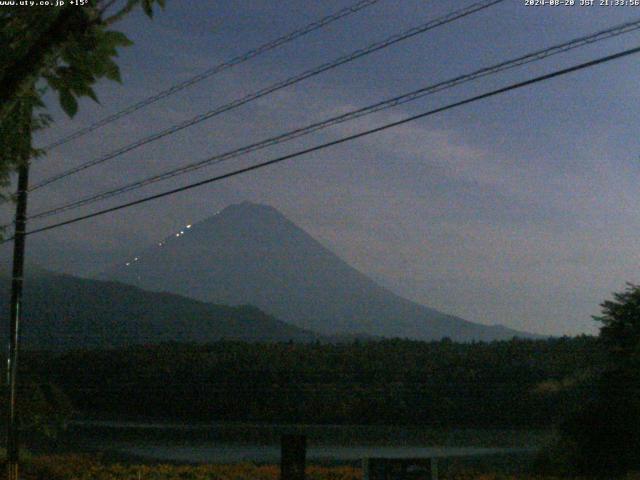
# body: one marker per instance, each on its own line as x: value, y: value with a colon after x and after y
x: 522, y: 209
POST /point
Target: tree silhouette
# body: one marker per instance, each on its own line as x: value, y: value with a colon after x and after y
x: 65, y: 49
x: 605, y: 433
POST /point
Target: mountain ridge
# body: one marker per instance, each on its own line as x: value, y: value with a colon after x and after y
x: 252, y: 254
x: 62, y: 312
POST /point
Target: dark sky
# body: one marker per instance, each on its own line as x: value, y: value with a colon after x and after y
x: 521, y: 209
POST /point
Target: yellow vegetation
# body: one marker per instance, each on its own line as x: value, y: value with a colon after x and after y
x: 85, y: 467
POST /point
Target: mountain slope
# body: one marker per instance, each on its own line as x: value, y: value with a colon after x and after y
x: 62, y: 312
x: 252, y: 254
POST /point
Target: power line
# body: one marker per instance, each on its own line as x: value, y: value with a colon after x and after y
x: 451, y: 17
x: 339, y: 141
x: 392, y: 102
x: 323, y: 22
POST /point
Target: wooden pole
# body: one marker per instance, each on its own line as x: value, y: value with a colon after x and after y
x: 13, y: 448
x: 293, y: 457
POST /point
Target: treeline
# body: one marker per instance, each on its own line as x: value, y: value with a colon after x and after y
x: 517, y: 383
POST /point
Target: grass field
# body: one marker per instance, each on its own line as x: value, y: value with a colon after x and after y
x: 85, y: 467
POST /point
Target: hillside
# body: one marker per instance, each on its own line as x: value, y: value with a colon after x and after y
x: 516, y: 383
x: 252, y: 254
x: 62, y: 312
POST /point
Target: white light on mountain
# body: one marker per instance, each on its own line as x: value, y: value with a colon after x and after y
x: 189, y: 226
x: 135, y: 259
x: 181, y: 232
x: 177, y: 234
x: 128, y: 263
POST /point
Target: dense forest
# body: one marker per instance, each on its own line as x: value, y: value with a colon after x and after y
x: 516, y: 383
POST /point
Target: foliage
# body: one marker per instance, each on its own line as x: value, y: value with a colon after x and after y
x: 620, y: 331
x: 45, y: 409
x: 69, y: 48
x: 518, y: 383
x: 602, y: 437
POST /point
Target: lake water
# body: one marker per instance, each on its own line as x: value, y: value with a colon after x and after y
x: 224, y: 443
x: 229, y: 453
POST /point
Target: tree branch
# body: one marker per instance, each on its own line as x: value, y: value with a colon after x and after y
x: 23, y: 71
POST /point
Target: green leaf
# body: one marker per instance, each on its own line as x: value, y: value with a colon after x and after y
x: 112, y: 71
x: 54, y: 82
x: 68, y: 103
x: 116, y: 39
x: 147, y: 7
x: 92, y: 95
x: 73, y: 52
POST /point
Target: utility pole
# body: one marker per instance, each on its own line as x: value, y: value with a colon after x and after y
x: 13, y: 448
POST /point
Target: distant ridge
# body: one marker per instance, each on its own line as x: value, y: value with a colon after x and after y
x: 252, y: 254
x: 62, y: 312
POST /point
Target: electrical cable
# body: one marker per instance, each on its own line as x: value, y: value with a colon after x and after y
x: 392, y: 102
x: 339, y: 141
x: 215, y: 70
x: 451, y: 17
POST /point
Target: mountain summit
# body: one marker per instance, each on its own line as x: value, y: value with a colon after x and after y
x: 252, y: 254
